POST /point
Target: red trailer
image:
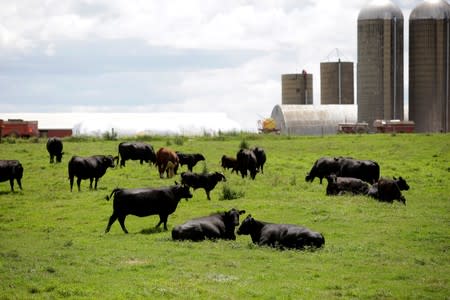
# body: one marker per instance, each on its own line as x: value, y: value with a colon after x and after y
x: 394, y: 126
x: 19, y: 128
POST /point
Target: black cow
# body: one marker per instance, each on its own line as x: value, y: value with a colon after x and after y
x: 260, y: 155
x: 205, y: 181
x: 136, y: 151
x: 323, y: 167
x: 189, y: 159
x: 217, y: 226
x: 10, y: 170
x: 280, y: 235
x: 54, y: 148
x: 366, y: 170
x: 388, y: 190
x: 93, y: 167
x: 341, y: 185
x: 228, y: 162
x: 246, y: 160
x: 145, y: 202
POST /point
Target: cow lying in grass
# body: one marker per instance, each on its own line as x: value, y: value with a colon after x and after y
x: 342, y: 185
x: 217, y: 226
x: 388, y: 190
x: 280, y: 235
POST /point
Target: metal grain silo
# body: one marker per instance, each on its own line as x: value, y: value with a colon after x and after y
x: 429, y: 66
x: 380, y: 62
x: 336, y: 83
x: 297, y: 88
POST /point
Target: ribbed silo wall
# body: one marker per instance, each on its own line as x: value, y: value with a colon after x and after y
x: 428, y: 74
x: 336, y: 83
x: 380, y: 70
x: 297, y: 89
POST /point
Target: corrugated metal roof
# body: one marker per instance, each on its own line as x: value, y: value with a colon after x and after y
x: 431, y: 9
x: 380, y: 9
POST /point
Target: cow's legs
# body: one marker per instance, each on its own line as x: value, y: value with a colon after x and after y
x: 112, y: 219
x: 90, y: 183
x: 122, y: 223
x: 19, y: 182
x: 71, y: 182
x: 11, y: 183
x: 162, y: 219
x: 79, y: 183
x: 51, y: 158
x: 207, y: 194
x: 96, y: 181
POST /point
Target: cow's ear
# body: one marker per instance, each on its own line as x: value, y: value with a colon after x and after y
x: 176, y: 183
x: 242, y: 212
x: 395, y: 178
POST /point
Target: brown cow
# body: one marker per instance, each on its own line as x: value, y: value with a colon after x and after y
x: 167, y: 161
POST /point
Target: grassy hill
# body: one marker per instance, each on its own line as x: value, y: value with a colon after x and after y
x: 52, y: 241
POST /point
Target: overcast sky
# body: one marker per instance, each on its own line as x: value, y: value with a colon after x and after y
x: 171, y: 56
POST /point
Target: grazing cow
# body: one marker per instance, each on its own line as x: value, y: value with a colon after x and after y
x: 388, y: 190
x: 260, y: 155
x: 323, y: 167
x: 341, y: 185
x: 92, y: 167
x: 205, y: 181
x: 145, y: 202
x: 366, y: 170
x: 229, y: 162
x: 280, y: 235
x: 189, y: 159
x: 216, y: 226
x: 246, y: 160
x: 54, y: 148
x: 10, y: 170
x: 163, y: 156
x: 136, y: 151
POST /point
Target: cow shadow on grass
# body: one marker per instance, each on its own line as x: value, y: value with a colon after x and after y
x: 152, y: 230
x: 10, y: 192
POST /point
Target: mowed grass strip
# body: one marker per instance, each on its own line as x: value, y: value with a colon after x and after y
x: 52, y: 241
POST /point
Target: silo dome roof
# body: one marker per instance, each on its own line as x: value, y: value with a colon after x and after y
x: 380, y: 9
x: 431, y: 9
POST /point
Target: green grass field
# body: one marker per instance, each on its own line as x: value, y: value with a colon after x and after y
x: 52, y: 241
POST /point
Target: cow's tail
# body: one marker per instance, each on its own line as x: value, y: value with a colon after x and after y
x: 112, y: 193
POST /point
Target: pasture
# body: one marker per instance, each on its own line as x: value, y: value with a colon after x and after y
x: 53, y: 245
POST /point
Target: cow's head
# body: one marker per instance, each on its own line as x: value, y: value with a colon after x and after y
x: 232, y: 216
x: 199, y: 157
x: 182, y: 191
x: 401, y: 183
x: 246, y: 226
x: 219, y: 176
x: 109, y: 161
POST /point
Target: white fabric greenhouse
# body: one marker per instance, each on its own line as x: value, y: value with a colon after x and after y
x: 130, y: 124
x: 312, y: 119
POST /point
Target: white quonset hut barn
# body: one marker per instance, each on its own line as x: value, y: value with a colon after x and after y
x: 132, y: 124
x: 312, y: 119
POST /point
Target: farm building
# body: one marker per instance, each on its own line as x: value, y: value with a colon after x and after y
x: 130, y: 124
x: 380, y: 62
x: 429, y: 64
x: 312, y: 119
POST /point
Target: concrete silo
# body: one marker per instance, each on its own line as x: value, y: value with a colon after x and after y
x: 297, y: 88
x: 336, y: 83
x: 380, y: 62
x: 429, y: 66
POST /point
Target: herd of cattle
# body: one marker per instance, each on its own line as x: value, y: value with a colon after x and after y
x: 344, y: 175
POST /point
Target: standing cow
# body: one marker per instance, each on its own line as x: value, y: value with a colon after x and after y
x: 217, y: 226
x: 189, y: 159
x: 54, y: 148
x: 163, y: 157
x: 206, y: 181
x: 323, y: 167
x: 10, y: 170
x: 93, y: 167
x: 366, y: 170
x: 246, y: 160
x: 228, y: 162
x: 145, y: 202
x: 136, y: 151
x: 388, y: 190
x: 260, y: 155
x: 280, y: 235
